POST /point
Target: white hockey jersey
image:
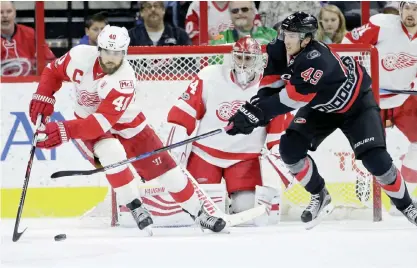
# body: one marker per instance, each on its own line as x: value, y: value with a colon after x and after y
x: 210, y: 100
x: 106, y: 102
x: 397, y: 54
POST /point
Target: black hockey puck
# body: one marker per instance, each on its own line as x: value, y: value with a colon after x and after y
x: 60, y: 237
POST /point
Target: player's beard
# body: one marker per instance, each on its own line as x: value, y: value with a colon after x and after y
x: 109, y: 70
x: 409, y: 21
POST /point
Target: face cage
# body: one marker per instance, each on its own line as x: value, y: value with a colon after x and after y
x: 246, y: 74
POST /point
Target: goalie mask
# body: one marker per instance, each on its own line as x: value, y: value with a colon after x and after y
x: 247, y: 62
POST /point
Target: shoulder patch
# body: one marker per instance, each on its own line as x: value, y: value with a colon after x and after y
x: 313, y: 54
x: 185, y: 96
x: 126, y: 84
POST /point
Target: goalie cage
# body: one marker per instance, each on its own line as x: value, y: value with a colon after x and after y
x: 164, y: 73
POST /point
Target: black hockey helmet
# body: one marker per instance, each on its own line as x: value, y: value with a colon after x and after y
x: 300, y: 22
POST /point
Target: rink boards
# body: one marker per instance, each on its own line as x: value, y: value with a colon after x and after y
x: 72, y: 196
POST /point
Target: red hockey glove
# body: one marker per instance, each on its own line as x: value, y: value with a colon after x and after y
x: 52, y: 135
x: 43, y: 105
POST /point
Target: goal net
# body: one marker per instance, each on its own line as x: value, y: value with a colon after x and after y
x: 164, y: 73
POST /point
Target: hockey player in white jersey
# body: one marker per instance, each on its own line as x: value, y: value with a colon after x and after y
x: 207, y: 104
x: 109, y: 125
x: 396, y: 40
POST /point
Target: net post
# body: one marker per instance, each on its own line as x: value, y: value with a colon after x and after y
x: 40, y: 36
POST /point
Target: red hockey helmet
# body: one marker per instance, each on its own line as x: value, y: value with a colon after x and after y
x: 247, y: 61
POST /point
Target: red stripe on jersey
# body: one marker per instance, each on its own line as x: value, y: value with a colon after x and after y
x: 357, y: 89
x: 294, y: 95
x: 139, y: 119
x: 344, y: 69
x: 271, y: 144
x: 226, y: 155
x: 269, y: 80
x: 179, y: 117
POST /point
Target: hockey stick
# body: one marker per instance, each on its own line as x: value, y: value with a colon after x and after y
x: 16, y: 234
x: 402, y: 91
x: 65, y: 173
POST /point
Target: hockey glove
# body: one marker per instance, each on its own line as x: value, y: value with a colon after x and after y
x: 43, y: 105
x: 52, y: 135
x: 247, y: 118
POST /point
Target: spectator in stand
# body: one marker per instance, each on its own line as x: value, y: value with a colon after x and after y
x: 332, y: 25
x: 93, y: 27
x: 219, y: 19
x: 18, y: 45
x: 391, y: 8
x: 153, y: 31
x: 273, y: 12
x: 352, y: 11
x: 243, y: 16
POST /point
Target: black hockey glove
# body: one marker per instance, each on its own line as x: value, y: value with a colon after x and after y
x: 246, y: 119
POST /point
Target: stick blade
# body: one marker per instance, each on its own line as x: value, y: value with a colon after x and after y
x: 67, y: 173
x: 245, y: 216
x: 17, y: 235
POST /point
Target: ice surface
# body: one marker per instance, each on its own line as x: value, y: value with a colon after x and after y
x: 359, y: 244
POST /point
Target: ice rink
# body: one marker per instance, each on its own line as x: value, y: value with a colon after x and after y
x: 359, y: 244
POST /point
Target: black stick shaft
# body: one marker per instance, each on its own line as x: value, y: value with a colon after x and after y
x: 16, y: 234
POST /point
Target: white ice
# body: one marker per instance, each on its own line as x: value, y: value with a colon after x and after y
x: 359, y: 244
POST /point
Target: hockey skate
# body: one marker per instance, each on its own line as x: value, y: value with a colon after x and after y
x: 207, y: 221
x: 141, y: 215
x: 411, y: 212
x: 319, y: 207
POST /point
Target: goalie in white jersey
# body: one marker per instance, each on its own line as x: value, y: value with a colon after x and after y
x: 110, y: 125
x: 396, y: 40
x: 208, y: 103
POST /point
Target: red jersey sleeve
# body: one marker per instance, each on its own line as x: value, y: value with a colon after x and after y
x: 53, y: 75
x: 189, y: 108
x: 366, y: 34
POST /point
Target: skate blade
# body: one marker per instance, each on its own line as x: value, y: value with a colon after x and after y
x: 327, y: 210
x: 148, y: 230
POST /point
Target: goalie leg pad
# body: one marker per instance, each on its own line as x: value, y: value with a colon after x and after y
x: 181, y: 189
x: 271, y: 198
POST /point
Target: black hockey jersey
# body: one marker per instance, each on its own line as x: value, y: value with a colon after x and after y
x: 316, y: 77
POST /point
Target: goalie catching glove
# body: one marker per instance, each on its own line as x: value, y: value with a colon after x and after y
x: 246, y: 119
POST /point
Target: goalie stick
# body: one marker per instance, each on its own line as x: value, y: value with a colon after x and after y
x: 16, y: 233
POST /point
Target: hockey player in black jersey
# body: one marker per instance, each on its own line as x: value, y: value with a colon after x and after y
x: 330, y: 92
